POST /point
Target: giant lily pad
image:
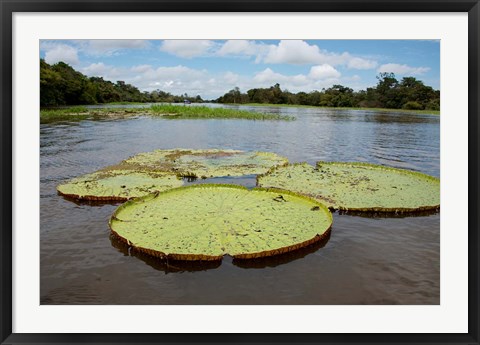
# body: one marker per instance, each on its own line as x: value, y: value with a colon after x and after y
x: 358, y: 186
x: 118, y: 184
x: 206, y: 163
x: 205, y: 222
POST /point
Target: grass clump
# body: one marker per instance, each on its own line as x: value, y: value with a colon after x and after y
x: 203, y: 112
x: 124, y: 103
x: 59, y: 114
x: 166, y: 110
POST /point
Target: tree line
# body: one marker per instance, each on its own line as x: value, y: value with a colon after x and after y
x: 408, y: 93
x: 60, y: 84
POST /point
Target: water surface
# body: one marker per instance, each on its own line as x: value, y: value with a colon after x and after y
x: 365, y: 261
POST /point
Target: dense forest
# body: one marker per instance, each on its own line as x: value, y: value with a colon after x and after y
x: 409, y: 93
x: 60, y: 84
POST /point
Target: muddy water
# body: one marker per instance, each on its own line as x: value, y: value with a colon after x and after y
x: 365, y: 261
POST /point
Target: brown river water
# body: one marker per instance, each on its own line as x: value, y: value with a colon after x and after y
x: 366, y: 260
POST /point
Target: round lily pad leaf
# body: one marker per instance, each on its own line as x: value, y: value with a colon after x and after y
x: 358, y: 187
x: 208, y: 221
x: 206, y: 163
x: 118, y: 184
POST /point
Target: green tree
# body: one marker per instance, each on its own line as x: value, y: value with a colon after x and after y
x: 387, y: 90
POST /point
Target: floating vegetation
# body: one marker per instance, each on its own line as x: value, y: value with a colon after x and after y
x: 206, y: 163
x: 203, y: 112
x: 358, y: 186
x: 206, y: 222
x: 118, y: 184
x: 165, y: 110
x: 62, y: 114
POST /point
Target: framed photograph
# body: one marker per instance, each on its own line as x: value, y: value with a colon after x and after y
x: 206, y: 172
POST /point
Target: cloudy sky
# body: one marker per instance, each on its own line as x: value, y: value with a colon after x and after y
x: 211, y: 68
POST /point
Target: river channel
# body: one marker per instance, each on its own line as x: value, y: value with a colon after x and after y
x: 366, y: 260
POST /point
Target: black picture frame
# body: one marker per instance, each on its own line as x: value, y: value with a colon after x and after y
x: 8, y: 7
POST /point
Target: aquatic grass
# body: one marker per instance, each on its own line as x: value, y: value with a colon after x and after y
x: 125, y: 103
x: 165, y: 110
x: 208, y: 221
x: 78, y: 113
x: 60, y: 114
x: 204, y: 112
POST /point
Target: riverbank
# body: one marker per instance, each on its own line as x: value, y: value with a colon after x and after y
x: 165, y: 110
x: 407, y: 111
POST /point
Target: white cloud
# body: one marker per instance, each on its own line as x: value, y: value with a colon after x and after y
x: 238, y: 47
x: 402, y: 69
x: 318, y: 78
x: 355, y: 77
x: 110, y: 47
x: 181, y: 79
x: 96, y: 69
x: 295, y: 52
x: 56, y: 52
x: 187, y: 48
x: 141, y: 68
x: 177, y: 79
x: 268, y: 76
x: 359, y: 63
x: 231, y: 77
x: 323, y: 72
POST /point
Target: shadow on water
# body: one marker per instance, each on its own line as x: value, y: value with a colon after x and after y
x: 176, y: 266
x: 248, y: 181
x: 167, y: 266
x: 277, y: 260
x: 422, y: 213
x: 83, y: 202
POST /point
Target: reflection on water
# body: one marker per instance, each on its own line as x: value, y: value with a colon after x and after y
x: 167, y: 266
x: 367, y: 260
x: 372, y: 215
x: 281, y: 259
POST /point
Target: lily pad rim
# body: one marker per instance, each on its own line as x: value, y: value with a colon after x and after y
x: 203, y: 257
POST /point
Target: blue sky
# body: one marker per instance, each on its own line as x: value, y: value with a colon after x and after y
x: 210, y: 68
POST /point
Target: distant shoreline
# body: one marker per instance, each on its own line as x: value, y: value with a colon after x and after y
x: 131, y: 110
x: 408, y: 111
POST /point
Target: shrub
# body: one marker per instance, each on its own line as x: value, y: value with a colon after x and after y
x: 412, y: 105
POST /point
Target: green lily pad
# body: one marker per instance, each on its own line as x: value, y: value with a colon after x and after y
x: 208, y: 221
x: 118, y: 184
x: 358, y: 186
x: 206, y: 163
